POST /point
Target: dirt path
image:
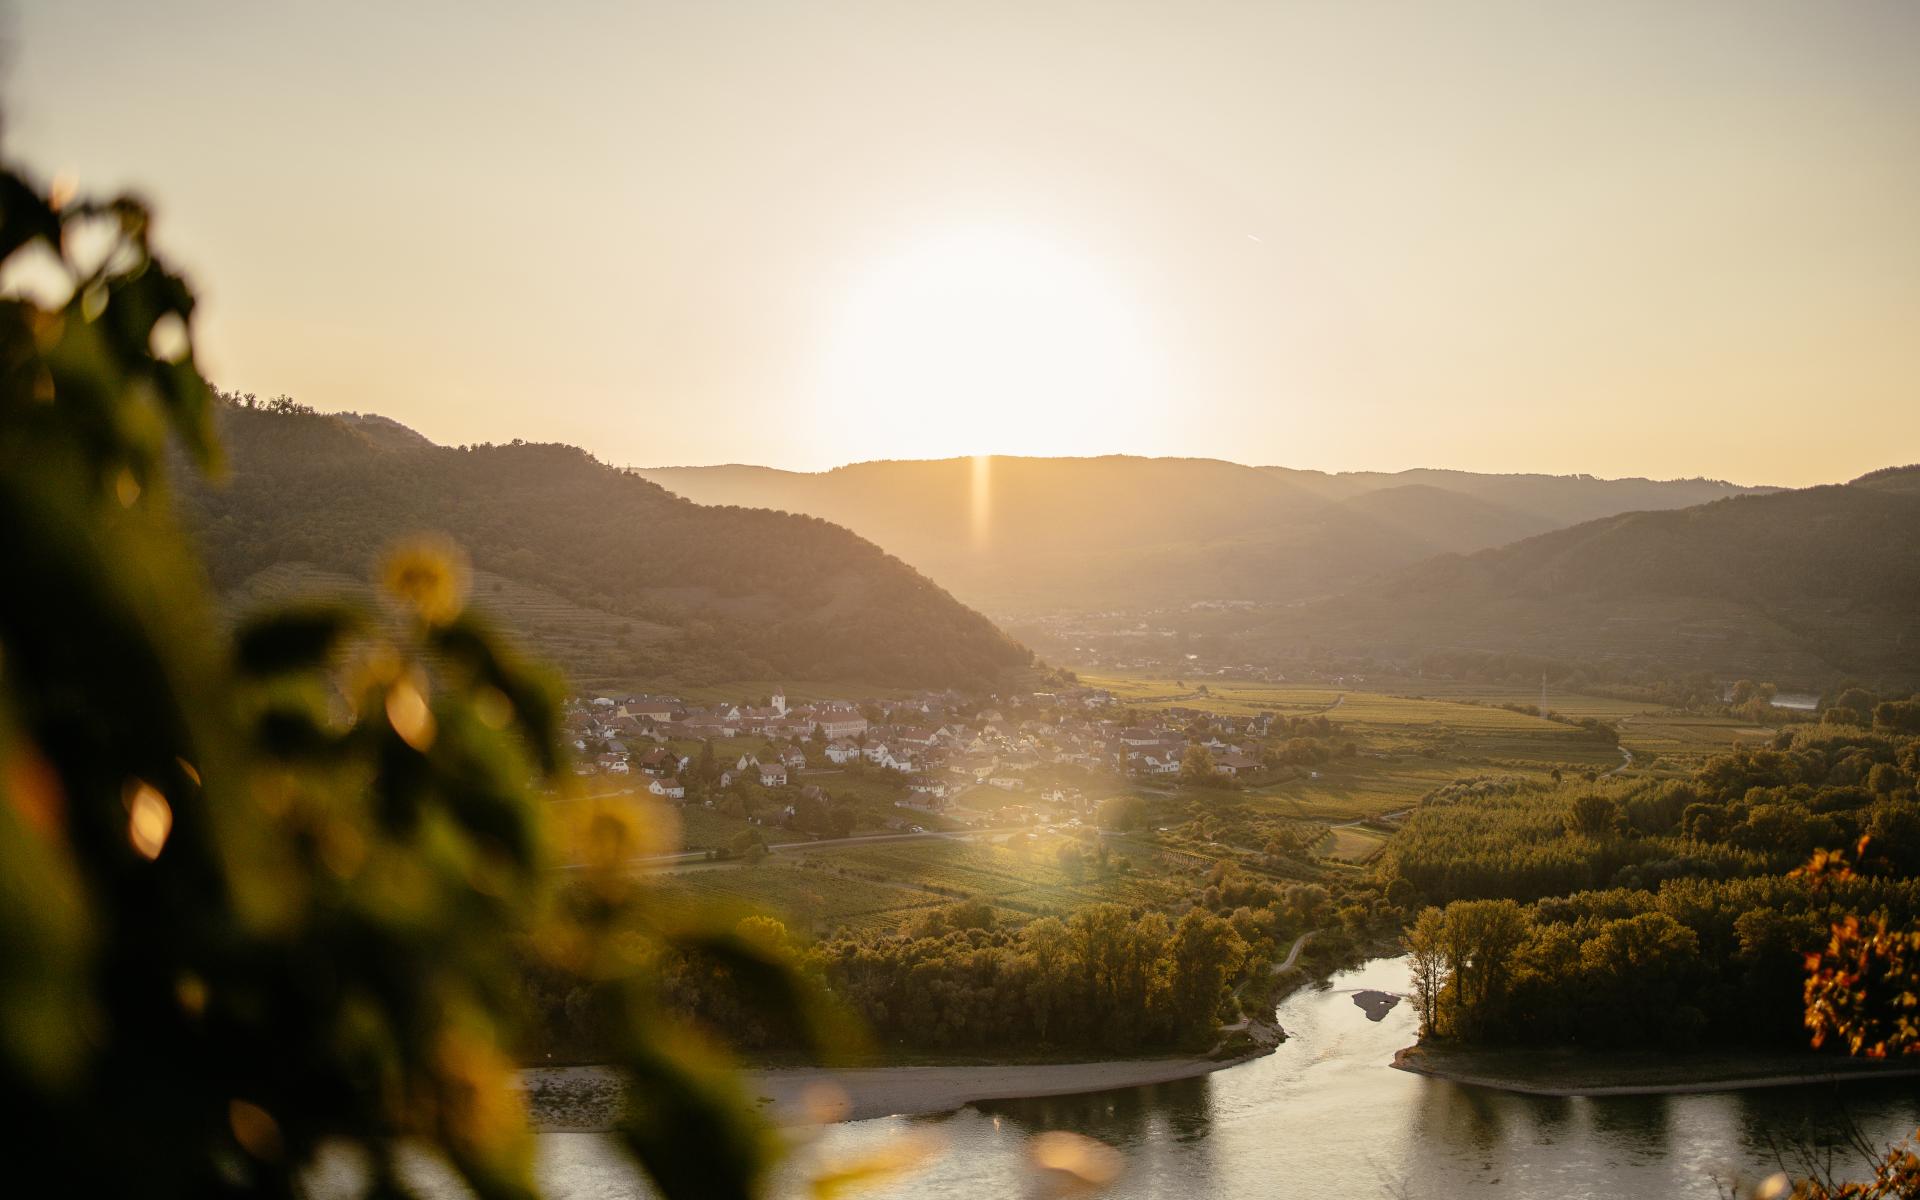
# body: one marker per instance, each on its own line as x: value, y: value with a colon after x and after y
x: 1293, y: 954
x: 1279, y: 968
x: 1626, y: 757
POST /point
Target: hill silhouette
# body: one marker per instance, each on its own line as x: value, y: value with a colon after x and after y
x: 1056, y: 534
x: 1809, y: 585
x: 606, y: 572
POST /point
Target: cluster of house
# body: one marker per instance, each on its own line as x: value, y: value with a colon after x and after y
x: 938, y: 742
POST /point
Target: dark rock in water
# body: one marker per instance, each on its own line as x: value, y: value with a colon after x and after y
x: 1375, y: 1004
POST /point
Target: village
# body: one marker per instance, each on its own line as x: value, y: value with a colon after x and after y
x: 933, y: 760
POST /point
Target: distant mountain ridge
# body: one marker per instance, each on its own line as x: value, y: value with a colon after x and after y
x: 1563, y: 499
x: 1811, y: 585
x: 606, y: 572
x: 1120, y: 531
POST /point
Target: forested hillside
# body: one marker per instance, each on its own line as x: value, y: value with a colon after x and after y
x: 1028, y: 535
x: 1805, y: 586
x: 604, y: 571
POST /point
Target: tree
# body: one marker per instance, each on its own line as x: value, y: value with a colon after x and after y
x: 1196, y: 766
x: 1206, y: 953
x: 1901, y: 716
x: 1592, y: 815
x: 267, y: 888
x: 1123, y: 812
x: 1425, y: 942
x: 1854, y: 706
x: 1480, y: 938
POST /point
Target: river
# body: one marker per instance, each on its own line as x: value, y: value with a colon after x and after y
x: 1326, y: 1116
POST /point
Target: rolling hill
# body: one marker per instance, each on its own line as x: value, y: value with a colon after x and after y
x: 1807, y: 586
x: 1031, y: 535
x: 604, y: 572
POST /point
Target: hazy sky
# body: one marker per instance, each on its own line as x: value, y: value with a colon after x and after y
x: 1626, y: 238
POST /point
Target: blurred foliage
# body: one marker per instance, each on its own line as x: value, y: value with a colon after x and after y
x: 262, y: 891
x: 1863, y: 987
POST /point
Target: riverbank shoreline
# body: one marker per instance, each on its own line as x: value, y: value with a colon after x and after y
x: 1568, y: 1074
x: 588, y: 1099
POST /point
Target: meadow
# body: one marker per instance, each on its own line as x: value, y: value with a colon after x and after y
x: 886, y: 885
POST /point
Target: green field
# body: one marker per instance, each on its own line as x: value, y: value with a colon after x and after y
x: 1352, y: 789
x: 1407, y: 745
x: 1226, y: 696
x: 1686, y: 736
x: 1348, y: 844
x: 807, y: 898
x: 880, y: 886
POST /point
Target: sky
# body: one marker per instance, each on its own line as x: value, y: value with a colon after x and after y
x: 1623, y: 238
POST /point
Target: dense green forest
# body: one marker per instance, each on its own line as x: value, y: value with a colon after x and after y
x: 594, y: 566
x: 1104, y: 979
x: 1606, y: 914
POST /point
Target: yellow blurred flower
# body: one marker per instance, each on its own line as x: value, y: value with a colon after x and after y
x: 428, y: 575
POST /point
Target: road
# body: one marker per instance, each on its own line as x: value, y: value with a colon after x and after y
x: 1278, y: 968
x: 1293, y: 954
x: 1626, y: 757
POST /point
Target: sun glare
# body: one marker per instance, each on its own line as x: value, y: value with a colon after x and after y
x: 989, y: 340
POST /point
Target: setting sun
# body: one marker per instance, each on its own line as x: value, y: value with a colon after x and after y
x: 1027, y: 346
x: 1170, y: 601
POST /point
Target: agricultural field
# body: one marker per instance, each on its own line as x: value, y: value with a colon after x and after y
x: 1356, y: 788
x: 1571, y: 704
x: 1227, y: 696
x: 1684, y: 738
x: 701, y: 828
x: 1394, y: 722
x: 1351, y: 844
x: 807, y: 898
x: 692, y: 826
x: 860, y: 888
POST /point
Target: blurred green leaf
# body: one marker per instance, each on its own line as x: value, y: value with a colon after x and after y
x: 299, y: 638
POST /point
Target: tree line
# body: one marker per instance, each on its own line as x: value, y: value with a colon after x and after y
x: 1671, y: 911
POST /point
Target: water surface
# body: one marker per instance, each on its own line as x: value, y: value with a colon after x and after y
x: 1326, y: 1116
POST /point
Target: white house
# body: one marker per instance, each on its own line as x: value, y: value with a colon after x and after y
x: 670, y: 788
